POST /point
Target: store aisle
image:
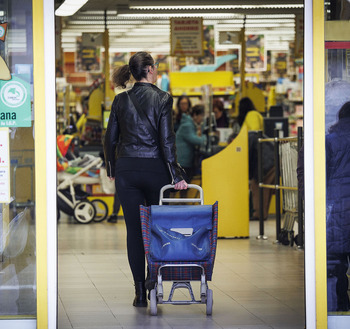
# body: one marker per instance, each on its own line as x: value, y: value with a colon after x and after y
x: 256, y: 284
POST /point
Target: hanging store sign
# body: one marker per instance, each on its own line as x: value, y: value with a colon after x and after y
x: 186, y: 37
x: 88, y: 56
x: 255, y: 53
x: 15, y: 103
x: 4, y: 166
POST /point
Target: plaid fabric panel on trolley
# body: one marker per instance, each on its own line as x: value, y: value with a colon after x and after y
x: 178, y: 273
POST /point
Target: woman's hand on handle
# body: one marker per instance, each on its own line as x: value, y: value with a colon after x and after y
x: 182, y: 185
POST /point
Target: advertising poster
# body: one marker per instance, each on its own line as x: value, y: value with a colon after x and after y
x: 88, y: 58
x: 15, y: 103
x: 186, y: 37
x: 255, y: 53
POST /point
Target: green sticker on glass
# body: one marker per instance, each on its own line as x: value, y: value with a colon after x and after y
x: 15, y: 104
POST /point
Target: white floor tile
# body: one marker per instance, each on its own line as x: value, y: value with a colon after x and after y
x: 256, y: 284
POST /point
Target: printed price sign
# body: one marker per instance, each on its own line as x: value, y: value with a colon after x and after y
x: 4, y: 166
x: 186, y: 37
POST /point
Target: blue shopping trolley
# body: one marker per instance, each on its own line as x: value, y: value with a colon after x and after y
x: 180, y: 245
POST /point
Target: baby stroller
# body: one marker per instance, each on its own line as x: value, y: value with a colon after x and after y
x: 71, y: 199
x: 180, y: 246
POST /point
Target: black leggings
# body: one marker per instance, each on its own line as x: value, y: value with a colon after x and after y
x: 138, y: 182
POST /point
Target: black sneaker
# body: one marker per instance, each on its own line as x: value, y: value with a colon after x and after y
x: 112, y: 218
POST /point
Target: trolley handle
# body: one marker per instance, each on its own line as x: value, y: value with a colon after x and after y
x: 175, y: 200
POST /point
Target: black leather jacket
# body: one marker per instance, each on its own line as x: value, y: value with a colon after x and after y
x: 127, y: 136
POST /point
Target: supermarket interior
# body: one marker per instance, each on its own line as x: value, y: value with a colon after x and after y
x: 269, y: 37
x: 204, y: 51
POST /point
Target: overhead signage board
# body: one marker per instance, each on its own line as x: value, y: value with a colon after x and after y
x: 15, y: 103
x: 186, y: 37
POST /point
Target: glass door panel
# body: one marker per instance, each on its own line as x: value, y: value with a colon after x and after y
x: 337, y: 123
x: 17, y: 195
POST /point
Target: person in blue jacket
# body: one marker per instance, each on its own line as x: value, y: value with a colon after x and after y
x: 338, y: 210
x: 188, y: 137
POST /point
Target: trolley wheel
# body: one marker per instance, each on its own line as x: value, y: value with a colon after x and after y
x: 153, y: 302
x: 101, y: 210
x: 84, y: 212
x: 209, y: 302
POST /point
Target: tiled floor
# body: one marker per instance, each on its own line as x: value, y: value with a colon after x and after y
x: 256, y: 284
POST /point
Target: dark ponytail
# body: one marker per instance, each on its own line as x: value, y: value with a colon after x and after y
x: 121, y: 76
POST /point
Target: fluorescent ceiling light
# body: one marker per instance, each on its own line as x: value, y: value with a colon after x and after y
x: 270, y: 21
x: 204, y: 15
x: 269, y: 25
x: 70, y: 7
x: 271, y: 16
x: 213, y: 7
x: 143, y: 39
x: 146, y: 33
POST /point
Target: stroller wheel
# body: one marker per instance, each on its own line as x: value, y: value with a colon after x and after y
x: 84, y: 212
x: 101, y: 210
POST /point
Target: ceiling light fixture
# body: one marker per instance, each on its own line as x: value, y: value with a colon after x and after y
x: 214, y: 7
x: 70, y: 7
x: 204, y: 15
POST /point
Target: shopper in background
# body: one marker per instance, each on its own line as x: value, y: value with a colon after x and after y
x: 188, y: 137
x: 143, y: 164
x: 183, y: 105
x: 220, y: 114
x: 338, y: 210
x: 249, y: 116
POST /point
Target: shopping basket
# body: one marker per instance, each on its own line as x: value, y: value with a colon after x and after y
x: 181, y: 227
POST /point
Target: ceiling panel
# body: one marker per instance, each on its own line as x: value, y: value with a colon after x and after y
x: 131, y: 32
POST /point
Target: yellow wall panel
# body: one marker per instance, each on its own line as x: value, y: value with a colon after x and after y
x: 225, y: 179
x: 190, y: 83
